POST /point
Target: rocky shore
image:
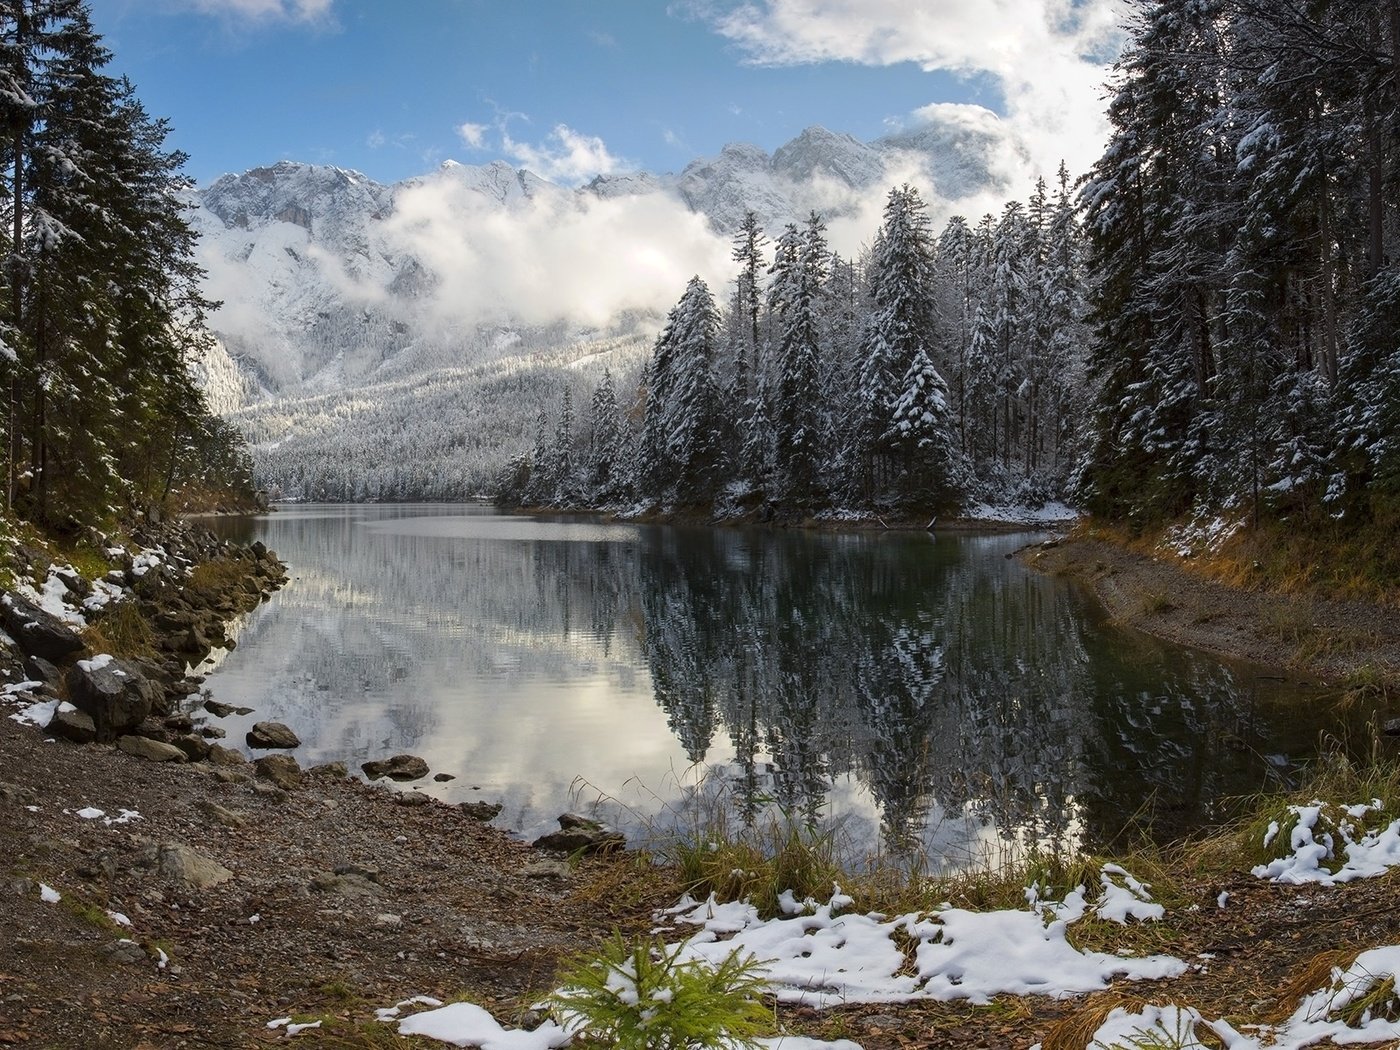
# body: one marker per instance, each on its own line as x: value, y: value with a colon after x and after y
x: 160, y: 889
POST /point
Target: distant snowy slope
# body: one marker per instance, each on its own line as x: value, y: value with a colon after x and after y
x: 437, y: 435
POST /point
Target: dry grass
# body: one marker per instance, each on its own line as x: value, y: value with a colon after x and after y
x: 122, y: 631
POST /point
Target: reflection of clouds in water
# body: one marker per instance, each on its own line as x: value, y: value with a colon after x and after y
x: 929, y: 692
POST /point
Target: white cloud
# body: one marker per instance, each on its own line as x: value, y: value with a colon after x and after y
x: 265, y: 10
x: 375, y: 139
x: 474, y: 135
x: 554, y: 256
x: 565, y: 156
x: 1049, y: 57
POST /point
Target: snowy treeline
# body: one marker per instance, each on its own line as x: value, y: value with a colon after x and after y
x: 934, y: 368
x: 442, y: 435
x: 1244, y: 232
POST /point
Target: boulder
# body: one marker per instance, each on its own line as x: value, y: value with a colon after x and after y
x: 1392, y: 727
x: 578, y: 834
x: 115, y: 694
x: 72, y: 724
x: 266, y: 735
x: 400, y: 767
x: 336, y: 770
x: 282, y: 770
x: 42, y: 671
x: 219, y: 710
x: 225, y: 756
x: 179, y: 863
x: 151, y: 750
x: 37, y: 632
x: 195, y: 747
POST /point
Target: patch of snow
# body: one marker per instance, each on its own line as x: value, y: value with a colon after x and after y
x: 90, y: 813
x: 52, y: 597
x: 1022, y: 514
x: 104, y: 593
x: 98, y: 662
x: 825, y: 959
x: 466, y: 1024
x: 37, y: 714
x: 1368, y: 853
x: 1124, y: 898
x: 48, y: 894
x: 388, y: 1013
x: 118, y: 918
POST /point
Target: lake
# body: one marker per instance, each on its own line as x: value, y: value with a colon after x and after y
x: 927, y: 694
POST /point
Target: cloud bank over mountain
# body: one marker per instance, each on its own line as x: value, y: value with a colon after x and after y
x: 329, y: 279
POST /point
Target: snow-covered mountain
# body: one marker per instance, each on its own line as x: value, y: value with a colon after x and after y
x: 329, y: 280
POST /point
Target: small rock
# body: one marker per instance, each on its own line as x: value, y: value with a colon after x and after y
x: 151, y: 750
x: 1392, y: 727
x: 443, y: 778
x: 411, y: 798
x: 229, y: 818
x: 217, y: 709
x: 482, y: 811
x: 282, y: 770
x: 400, y: 767
x: 330, y: 769
x: 265, y: 735
x: 41, y: 670
x: 125, y: 952
x: 196, y: 748
x: 226, y: 756
x: 546, y: 869
x: 72, y: 724
x: 180, y: 863
x: 359, y: 871
x: 578, y: 834
x: 385, y: 918
x: 212, y: 733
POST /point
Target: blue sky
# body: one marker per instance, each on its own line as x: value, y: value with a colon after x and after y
x: 569, y: 88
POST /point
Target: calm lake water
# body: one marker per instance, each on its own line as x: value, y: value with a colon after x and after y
x: 927, y: 693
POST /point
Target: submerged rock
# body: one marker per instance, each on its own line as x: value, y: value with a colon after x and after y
x: 482, y: 811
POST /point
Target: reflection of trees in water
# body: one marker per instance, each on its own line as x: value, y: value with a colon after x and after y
x: 944, y: 675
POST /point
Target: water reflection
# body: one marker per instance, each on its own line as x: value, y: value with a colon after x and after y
x: 931, y: 692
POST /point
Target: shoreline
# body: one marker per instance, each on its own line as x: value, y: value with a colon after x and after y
x: 1335, y: 642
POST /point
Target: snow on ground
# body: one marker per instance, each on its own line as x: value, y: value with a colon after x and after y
x: 1349, y: 1011
x: 1021, y: 514
x: 52, y: 597
x: 816, y: 955
x: 1321, y: 835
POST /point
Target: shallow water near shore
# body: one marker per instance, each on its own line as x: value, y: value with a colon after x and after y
x: 927, y: 694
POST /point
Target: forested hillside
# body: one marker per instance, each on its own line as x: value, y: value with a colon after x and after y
x: 1205, y: 326
x: 100, y: 309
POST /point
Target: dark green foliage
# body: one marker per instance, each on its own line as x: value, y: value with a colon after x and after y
x: 1241, y: 226
x: 644, y: 996
x: 101, y: 306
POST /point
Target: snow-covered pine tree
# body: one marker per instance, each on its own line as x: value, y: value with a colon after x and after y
x: 685, y: 448
x: 799, y: 273
x: 900, y: 388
